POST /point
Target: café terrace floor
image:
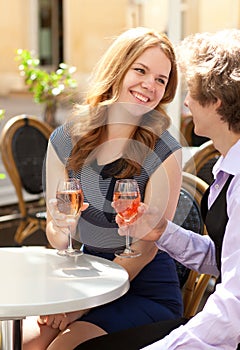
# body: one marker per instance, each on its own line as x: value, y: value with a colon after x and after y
x: 9, y: 227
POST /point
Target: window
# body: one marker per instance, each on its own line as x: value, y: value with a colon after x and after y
x: 50, y: 32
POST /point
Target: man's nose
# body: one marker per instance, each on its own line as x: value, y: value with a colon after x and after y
x: 186, y: 100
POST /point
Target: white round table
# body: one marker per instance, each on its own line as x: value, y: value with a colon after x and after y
x: 37, y: 281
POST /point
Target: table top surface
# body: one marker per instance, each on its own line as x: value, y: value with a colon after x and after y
x: 37, y: 281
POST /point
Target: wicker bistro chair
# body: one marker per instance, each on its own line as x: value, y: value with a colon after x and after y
x: 23, y: 145
x: 188, y: 215
x: 202, y: 162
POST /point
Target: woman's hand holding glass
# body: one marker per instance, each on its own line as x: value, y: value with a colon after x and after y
x: 66, y: 210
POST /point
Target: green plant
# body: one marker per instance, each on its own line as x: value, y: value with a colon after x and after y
x: 2, y: 112
x: 47, y: 87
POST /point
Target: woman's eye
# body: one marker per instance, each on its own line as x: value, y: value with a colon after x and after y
x: 161, y: 81
x: 140, y: 70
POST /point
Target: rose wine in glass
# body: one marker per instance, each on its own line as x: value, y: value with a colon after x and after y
x: 69, y: 202
x: 127, y: 197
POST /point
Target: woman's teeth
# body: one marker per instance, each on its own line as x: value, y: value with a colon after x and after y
x: 140, y: 97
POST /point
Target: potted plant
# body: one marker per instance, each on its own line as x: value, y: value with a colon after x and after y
x: 47, y: 87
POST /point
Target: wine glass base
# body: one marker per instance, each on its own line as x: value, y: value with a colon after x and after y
x: 72, y: 252
x: 127, y: 253
x: 61, y: 252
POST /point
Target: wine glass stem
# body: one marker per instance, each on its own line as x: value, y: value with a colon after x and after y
x: 70, y: 241
x: 128, y: 240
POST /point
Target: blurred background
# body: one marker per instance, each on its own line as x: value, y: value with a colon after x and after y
x: 77, y: 32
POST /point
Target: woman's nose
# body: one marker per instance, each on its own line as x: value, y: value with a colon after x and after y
x: 149, y: 83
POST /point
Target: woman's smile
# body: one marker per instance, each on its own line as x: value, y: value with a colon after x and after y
x: 146, y: 80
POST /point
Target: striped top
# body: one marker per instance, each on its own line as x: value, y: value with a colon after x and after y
x: 97, y: 226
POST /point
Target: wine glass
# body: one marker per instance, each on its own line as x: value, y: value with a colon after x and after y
x: 69, y: 197
x: 127, y: 197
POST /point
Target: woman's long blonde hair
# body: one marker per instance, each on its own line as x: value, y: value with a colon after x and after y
x: 107, y: 78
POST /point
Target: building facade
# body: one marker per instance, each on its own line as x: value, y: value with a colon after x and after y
x: 78, y: 31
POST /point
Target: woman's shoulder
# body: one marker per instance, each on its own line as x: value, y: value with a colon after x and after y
x: 66, y: 135
x: 60, y: 136
x: 166, y: 144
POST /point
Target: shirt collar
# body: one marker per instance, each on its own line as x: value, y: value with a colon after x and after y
x: 230, y: 163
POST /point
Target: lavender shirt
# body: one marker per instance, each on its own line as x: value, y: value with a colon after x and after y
x: 217, y: 326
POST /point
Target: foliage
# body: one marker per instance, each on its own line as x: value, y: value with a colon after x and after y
x: 42, y: 84
x: 2, y: 112
x: 47, y: 87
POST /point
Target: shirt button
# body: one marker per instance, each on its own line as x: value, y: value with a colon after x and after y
x: 216, y: 186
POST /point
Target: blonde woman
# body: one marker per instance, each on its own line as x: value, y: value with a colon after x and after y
x: 120, y: 132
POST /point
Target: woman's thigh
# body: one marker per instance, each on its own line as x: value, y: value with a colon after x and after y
x: 127, y: 312
x: 76, y: 333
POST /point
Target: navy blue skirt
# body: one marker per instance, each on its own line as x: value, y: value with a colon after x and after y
x: 154, y: 295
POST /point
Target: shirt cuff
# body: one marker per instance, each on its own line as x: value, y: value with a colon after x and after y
x: 173, y: 240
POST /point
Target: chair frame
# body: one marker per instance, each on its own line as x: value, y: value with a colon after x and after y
x: 196, y: 283
x: 28, y: 224
x: 188, y: 135
x: 206, y: 152
x: 186, y: 130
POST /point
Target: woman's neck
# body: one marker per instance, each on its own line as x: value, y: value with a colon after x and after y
x: 119, y: 130
x: 121, y: 122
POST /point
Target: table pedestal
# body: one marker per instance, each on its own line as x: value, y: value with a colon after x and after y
x: 11, y: 334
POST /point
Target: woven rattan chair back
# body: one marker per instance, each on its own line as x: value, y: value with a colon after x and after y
x: 188, y: 215
x: 24, y: 142
x: 202, y: 162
